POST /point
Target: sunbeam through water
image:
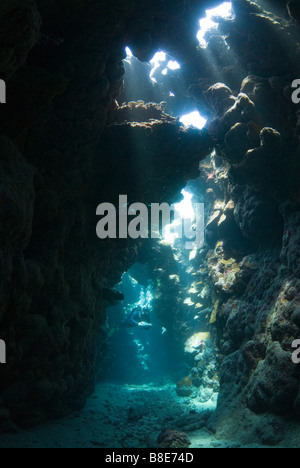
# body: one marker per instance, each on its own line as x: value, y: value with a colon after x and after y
x: 209, y: 22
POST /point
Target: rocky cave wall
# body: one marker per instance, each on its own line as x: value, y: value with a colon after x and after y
x: 62, y: 62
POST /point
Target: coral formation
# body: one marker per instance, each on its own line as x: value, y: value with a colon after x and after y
x: 170, y: 438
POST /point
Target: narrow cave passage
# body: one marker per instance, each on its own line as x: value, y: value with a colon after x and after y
x: 180, y: 305
x: 149, y: 224
x: 169, y: 284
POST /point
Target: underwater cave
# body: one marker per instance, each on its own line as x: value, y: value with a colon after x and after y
x: 149, y: 224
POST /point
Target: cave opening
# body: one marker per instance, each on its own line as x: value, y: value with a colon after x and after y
x: 160, y: 80
x: 163, y: 282
x: 181, y: 323
x: 210, y: 22
x: 177, y: 354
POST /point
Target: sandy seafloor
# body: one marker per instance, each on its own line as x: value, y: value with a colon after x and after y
x: 119, y: 416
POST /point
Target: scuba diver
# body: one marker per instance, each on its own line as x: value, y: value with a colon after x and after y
x: 139, y: 317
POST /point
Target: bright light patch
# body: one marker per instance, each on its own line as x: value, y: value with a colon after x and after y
x: 193, y: 254
x: 194, y: 119
x: 223, y: 11
x: 169, y: 237
x: 183, y: 210
x: 129, y: 56
x: 185, y: 207
x: 173, y: 65
x: 194, y: 342
x: 159, y: 59
x: 171, y: 94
